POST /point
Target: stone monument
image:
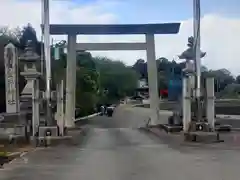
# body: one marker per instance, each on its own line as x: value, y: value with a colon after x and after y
x: 31, y: 61
x: 188, y: 96
x: 11, y: 78
x: 13, y: 123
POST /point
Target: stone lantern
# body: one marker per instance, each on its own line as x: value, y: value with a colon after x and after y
x: 189, y: 56
x: 30, y: 59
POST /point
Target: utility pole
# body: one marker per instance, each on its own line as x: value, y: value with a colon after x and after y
x: 46, y: 34
x: 196, y: 29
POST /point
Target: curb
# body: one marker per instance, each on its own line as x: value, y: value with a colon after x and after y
x: 148, y: 130
x: 145, y: 129
x: 235, y: 129
x: 87, y: 117
x: 17, y: 155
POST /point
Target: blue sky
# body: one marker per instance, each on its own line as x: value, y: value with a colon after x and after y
x: 151, y: 11
x: 220, y: 43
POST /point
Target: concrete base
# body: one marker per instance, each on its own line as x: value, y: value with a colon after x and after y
x: 203, y: 137
x: 54, y: 140
x: 223, y: 128
x: 43, y: 130
x: 12, y: 141
x: 73, y: 137
x: 171, y: 128
x: 8, y: 157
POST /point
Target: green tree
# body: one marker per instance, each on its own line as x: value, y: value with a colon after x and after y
x: 222, y: 78
x: 238, y: 79
x: 231, y: 91
x: 115, y: 78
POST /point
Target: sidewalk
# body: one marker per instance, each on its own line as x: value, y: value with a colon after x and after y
x: 223, y: 116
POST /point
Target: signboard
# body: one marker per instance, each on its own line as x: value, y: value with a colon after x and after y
x: 56, y: 53
x: 11, y: 78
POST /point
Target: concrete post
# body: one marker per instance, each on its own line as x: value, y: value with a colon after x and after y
x: 186, y: 103
x: 152, y: 79
x: 47, y: 55
x: 210, y: 102
x: 60, y: 107
x: 11, y: 78
x: 58, y: 101
x: 70, y: 81
x: 35, y: 105
x: 62, y: 119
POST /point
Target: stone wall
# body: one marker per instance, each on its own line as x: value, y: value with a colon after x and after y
x: 227, y: 107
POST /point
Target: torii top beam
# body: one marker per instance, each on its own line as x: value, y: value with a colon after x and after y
x: 101, y: 29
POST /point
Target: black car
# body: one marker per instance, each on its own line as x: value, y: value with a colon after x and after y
x: 137, y: 97
x: 110, y: 110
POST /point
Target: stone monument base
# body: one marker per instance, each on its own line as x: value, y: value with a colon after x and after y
x: 48, y: 131
x: 73, y: 137
x: 14, y: 128
x: 203, y: 137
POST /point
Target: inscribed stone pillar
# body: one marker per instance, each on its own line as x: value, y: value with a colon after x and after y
x: 11, y: 78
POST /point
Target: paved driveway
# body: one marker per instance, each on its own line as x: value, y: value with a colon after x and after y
x: 113, y: 151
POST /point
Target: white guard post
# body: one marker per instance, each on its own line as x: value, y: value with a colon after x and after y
x: 186, y: 95
x: 210, y: 102
x: 148, y: 29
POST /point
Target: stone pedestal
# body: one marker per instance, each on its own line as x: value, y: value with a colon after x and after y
x: 33, y: 78
x: 13, y: 124
x: 186, y: 103
x: 210, y: 110
x: 60, y: 107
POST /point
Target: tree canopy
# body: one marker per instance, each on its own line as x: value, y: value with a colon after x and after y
x: 101, y: 80
x: 168, y: 70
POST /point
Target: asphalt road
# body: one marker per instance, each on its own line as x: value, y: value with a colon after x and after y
x: 114, y: 149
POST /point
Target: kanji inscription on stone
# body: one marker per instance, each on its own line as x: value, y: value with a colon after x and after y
x: 11, y: 81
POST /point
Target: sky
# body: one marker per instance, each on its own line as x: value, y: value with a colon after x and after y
x: 220, y: 25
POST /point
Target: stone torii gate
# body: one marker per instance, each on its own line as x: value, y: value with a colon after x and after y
x: 149, y: 45
x: 73, y: 30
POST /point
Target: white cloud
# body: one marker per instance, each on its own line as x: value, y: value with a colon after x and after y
x: 219, y: 34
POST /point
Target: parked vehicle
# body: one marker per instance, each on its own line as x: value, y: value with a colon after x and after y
x: 110, y: 111
x: 102, y: 110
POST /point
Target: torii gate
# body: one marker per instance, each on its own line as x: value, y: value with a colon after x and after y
x: 112, y: 29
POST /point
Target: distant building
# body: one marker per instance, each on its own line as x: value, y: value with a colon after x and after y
x: 142, y: 88
x: 142, y: 83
